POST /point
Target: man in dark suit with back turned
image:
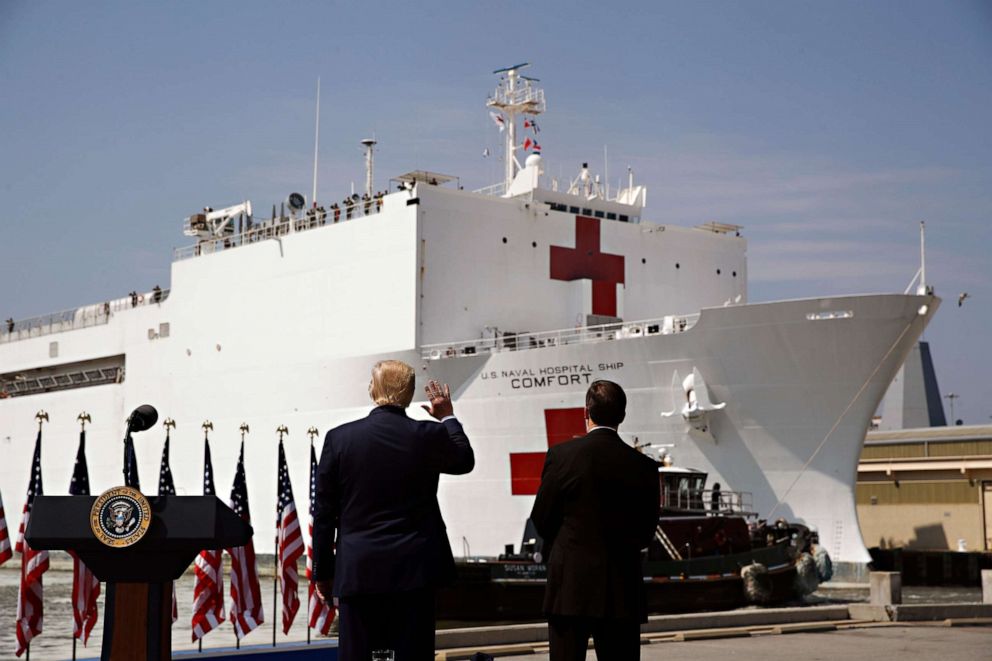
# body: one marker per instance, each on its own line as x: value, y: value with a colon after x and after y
x: 377, y: 490
x: 596, y: 508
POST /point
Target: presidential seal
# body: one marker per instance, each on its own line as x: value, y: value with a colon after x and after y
x: 120, y: 517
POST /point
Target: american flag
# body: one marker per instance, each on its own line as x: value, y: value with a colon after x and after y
x: 321, y: 614
x: 208, y: 590
x: 5, y: 551
x: 85, y: 586
x: 167, y: 487
x: 30, y: 605
x: 246, y: 594
x: 289, y: 544
x: 130, y: 464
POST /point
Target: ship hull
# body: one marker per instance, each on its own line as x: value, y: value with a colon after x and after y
x: 799, y: 391
x: 499, y: 591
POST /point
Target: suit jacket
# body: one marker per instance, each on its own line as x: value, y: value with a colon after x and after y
x: 597, y: 507
x: 377, y: 524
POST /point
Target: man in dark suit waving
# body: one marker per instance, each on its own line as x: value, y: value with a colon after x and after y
x: 380, y: 544
x: 596, y: 508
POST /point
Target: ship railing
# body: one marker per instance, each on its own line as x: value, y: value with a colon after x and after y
x: 506, y: 341
x: 30, y: 386
x: 280, y: 227
x: 75, y: 318
x: 707, y: 501
x: 496, y: 190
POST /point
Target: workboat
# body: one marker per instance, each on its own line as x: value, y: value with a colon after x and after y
x: 710, y: 551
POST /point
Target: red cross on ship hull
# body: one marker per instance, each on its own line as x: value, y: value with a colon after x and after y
x: 561, y: 425
x: 586, y: 260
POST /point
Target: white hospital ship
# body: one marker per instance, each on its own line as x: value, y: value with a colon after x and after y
x: 518, y: 295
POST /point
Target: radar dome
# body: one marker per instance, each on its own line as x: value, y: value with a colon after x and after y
x: 534, y: 160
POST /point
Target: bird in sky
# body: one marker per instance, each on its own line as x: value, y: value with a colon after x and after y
x: 961, y: 297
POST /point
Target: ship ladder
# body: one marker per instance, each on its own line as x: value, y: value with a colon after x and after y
x: 667, y: 543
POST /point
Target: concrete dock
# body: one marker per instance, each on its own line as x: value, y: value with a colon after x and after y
x: 888, y: 642
x: 858, y: 631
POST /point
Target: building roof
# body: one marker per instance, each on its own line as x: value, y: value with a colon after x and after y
x: 930, y: 435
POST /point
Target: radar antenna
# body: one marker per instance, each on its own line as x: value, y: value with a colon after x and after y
x: 515, y: 95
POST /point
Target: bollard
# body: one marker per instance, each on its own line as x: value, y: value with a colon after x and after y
x: 987, y: 586
x: 886, y: 588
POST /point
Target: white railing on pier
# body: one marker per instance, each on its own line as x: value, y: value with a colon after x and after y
x: 13, y: 330
x: 279, y: 227
x: 505, y: 341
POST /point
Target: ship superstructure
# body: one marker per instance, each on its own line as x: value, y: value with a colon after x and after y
x: 518, y: 296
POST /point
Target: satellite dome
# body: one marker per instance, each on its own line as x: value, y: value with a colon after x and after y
x: 534, y: 160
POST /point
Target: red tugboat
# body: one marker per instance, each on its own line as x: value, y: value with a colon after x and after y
x: 710, y: 552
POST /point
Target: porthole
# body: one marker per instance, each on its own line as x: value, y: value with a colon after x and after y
x: 677, y: 265
x: 644, y: 260
x: 533, y: 244
x: 717, y: 271
x: 504, y: 239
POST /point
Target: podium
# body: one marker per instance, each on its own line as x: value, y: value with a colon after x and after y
x: 137, y: 621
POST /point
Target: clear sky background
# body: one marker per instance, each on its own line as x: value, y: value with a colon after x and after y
x: 828, y: 130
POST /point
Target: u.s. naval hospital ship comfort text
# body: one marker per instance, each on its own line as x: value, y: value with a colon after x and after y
x: 518, y: 296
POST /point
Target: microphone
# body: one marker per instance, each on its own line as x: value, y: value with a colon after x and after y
x: 142, y: 418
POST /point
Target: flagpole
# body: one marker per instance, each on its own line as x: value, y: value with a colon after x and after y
x: 312, y: 433
x: 275, y: 576
x: 42, y: 418
x: 83, y: 418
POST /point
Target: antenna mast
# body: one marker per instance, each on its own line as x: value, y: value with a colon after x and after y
x: 369, y: 172
x: 316, y: 142
x: 515, y: 95
x: 922, y: 290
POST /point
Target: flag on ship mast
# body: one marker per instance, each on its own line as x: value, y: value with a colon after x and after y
x: 289, y: 543
x: 6, y: 553
x: 167, y: 487
x: 30, y: 602
x: 532, y: 145
x: 208, y: 589
x: 85, y: 586
x: 499, y: 121
x: 321, y: 614
x: 531, y: 124
x: 246, y: 594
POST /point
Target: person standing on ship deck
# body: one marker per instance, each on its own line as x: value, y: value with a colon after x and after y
x: 597, y: 508
x: 379, y: 541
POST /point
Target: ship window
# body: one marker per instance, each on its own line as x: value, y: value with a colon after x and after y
x: 600, y: 214
x: 53, y: 349
x: 587, y: 212
x: 163, y: 329
x: 533, y: 244
x: 573, y: 210
x: 504, y: 239
x: 624, y: 218
x: 644, y: 260
x: 677, y: 265
x: 718, y: 271
x: 734, y: 273
x: 611, y: 216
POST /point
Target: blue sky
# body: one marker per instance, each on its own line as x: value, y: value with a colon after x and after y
x: 829, y: 130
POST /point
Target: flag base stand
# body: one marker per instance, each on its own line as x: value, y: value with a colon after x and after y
x: 138, y: 614
x: 137, y: 622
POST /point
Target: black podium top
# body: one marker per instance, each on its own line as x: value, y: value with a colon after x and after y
x: 180, y: 528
